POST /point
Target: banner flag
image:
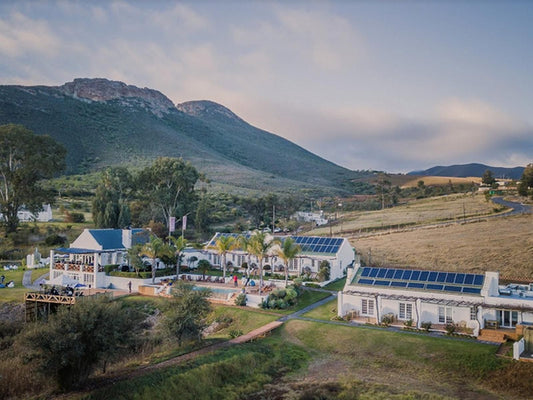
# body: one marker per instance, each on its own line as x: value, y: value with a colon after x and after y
x: 172, y: 224
x: 184, y: 222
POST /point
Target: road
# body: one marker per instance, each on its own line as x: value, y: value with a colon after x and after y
x: 516, y: 208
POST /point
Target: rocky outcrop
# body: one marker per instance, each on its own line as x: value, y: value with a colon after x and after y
x: 207, y: 109
x: 102, y: 90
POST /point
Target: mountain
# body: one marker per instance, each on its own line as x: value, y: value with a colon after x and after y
x: 468, y: 170
x: 103, y: 122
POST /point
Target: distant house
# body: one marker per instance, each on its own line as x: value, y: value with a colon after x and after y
x: 25, y: 215
x: 83, y: 262
x: 307, y: 216
x: 475, y: 303
x: 337, y: 251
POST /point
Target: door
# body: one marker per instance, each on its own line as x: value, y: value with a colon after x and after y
x: 507, y: 318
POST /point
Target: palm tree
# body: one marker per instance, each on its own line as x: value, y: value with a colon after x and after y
x: 244, y: 244
x: 179, y: 244
x: 153, y: 249
x: 223, y: 245
x: 261, y: 244
x: 287, y: 250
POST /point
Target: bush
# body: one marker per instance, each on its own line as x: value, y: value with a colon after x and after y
x: 408, y: 323
x: 55, y: 240
x: 109, y: 268
x: 76, y: 217
x: 450, y: 328
x: 235, y: 333
x: 240, y: 300
x: 387, y: 319
x: 426, y: 325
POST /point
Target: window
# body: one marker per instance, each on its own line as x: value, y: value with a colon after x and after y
x: 406, y: 311
x: 367, y: 307
x: 473, y: 313
x: 445, y: 315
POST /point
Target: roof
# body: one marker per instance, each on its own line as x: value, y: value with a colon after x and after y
x: 409, y: 279
x: 111, y: 239
x: 309, y: 244
x: 75, y: 250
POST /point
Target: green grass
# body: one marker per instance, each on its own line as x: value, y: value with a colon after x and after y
x: 336, y: 285
x: 237, y: 319
x: 324, y: 312
x: 16, y: 294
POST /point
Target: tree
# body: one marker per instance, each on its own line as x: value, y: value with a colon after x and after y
x: 25, y: 160
x: 526, y: 182
x: 324, y: 270
x: 487, y: 178
x: 287, y: 250
x: 75, y: 340
x: 203, y: 267
x: 201, y: 220
x: 223, y: 245
x: 178, y: 244
x: 110, y: 208
x: 169, y: 185
x: 261, y: 244
x: 154, y: 249
x: 188, y: 308
x: 384, y: 185
x: 135, y: 259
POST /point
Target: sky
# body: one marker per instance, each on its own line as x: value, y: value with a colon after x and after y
x: 381, y: 85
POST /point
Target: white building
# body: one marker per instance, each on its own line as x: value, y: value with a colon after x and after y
x: 308, y: 216
x: 44, y: 215
x: 315, y: 249
x: 83, y: 262
x: 475, y: 303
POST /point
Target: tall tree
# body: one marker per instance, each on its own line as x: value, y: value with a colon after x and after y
x: 223, y: 245
x: 187, y: 312
x: 488, y: 178
x: 134, y: 257
x: 154, y: 249
x: 178, y: 245
x: 110, y: 207
x: 169, y: 185
x: 287, y: 250
x: 526, y: 182
x: 25, y: 159
x: 261, y: 244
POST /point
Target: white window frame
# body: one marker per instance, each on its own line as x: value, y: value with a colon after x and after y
x: 473, y: 313
x: 445, y: 315
x: 405, y: 311
x: 367, y: 307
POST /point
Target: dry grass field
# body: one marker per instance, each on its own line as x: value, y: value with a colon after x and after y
x: 417, y: 212
x: 495, y: 244
x: 405, y: 181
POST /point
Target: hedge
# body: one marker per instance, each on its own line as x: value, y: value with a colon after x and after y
x: 144, y: 275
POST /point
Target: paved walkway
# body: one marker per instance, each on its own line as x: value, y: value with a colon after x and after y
x: 27, y: 283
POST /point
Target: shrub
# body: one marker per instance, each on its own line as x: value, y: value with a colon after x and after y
x: 240, y: 300
x: 55, y: 240
x: 450, y: 328
x: 76, y: 217
x: 235, y: 333
x: 426, y: 325
x: 408, y: 323
x: 387, y: 319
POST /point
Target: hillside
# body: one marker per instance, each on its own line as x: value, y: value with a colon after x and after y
x: 468, y: 170
x: 104, y: 123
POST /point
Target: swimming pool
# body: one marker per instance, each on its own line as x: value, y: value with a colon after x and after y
x: 218, y: 292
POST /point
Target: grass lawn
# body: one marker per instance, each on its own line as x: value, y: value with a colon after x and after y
x: 336, y: 285
x: 325, y: 312
x: 16, y: 294
x: 234, y: 319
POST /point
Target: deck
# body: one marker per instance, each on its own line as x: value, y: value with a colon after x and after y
x: 257, y: 333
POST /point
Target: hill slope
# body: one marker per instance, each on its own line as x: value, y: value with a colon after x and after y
x: 103, y: 123
x: 468, y: 170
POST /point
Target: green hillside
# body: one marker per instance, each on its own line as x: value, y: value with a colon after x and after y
x: 125, y: 129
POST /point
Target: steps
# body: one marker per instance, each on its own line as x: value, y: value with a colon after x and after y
x: 492, y: 335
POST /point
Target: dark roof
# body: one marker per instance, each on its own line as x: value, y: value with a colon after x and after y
x: 75, y: 250
x: 111, y: 239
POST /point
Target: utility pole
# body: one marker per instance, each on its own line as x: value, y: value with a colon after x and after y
x: 273, y: 218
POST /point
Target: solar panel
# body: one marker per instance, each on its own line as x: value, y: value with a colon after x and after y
x: 469, y: 279
x: 433, y: 286
x: 415, y: 275
x: 373, y: 272
x: 423, y: 276
x: 407, y: 275
x: 471, y: 290
x: 398, y: 284
x: 452, y: 288
x: 365, y: 271
x: 478, y: 280
x: 441, y: 277
x: 460, y: 278
x: 338, y: 242
x: 390, y: 273
x: 381, y: 283
x: 398, y: 274
x: 366, y: 281
x: 415, y: 285
x: 432, y: 277
x: 451, y: 277
x: 382, y: 272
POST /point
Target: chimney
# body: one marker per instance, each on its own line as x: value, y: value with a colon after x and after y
x: 126, y: 238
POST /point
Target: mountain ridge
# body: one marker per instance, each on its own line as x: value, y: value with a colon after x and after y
x: 470, y: 170
x: 103, y: 122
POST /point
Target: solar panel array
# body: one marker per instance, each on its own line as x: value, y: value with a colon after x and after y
x: 309, y: 244
x: 414, y: 279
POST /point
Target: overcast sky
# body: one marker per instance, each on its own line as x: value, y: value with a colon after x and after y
x: 386, y: 85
